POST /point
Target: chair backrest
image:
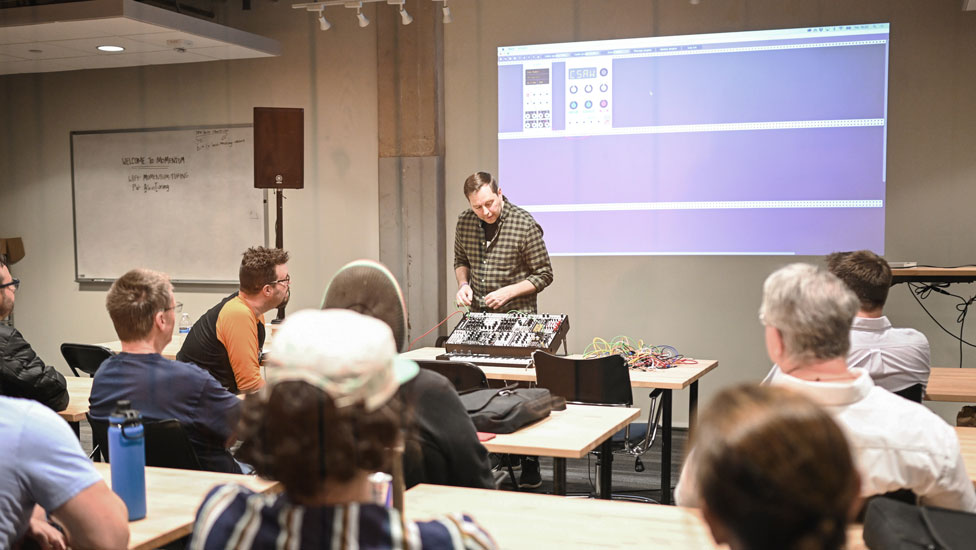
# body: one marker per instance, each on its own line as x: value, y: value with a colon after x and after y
x: 603, y: 380
x: 167, y: 445
x: 464, y: 376
x: 912, y: 393
x: 84, y: 357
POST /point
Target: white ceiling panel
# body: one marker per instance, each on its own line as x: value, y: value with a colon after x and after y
x: 38, y: 50
x: 161, y: 38
x: 64, y: 36
x: 89, y: 45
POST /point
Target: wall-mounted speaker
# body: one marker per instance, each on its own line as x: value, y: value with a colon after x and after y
x: 279, y: 148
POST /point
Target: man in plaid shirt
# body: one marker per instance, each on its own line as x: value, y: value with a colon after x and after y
x: 501, y: 263
x: 500, y: 259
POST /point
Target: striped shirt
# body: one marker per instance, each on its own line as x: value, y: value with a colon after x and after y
x: 516, y: 253
x: 234, y: 517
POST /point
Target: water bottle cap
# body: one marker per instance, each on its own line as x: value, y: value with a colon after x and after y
x: 124, y: 413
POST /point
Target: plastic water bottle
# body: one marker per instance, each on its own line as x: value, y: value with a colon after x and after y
x: 127, y: 456
x: 185, y: 325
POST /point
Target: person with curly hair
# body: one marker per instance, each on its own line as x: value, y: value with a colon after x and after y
x: 320, y: 427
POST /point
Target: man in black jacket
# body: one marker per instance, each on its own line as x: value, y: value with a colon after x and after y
x: 22, y: 373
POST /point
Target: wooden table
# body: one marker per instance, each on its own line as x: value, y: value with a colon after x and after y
x: 667, y: 380
x: 172, y: 499
x: 79, y: 388
x: 951, y: 384
x: 967, y: 444
x: 169, y: 351
x: 525, y: 520
x: 569, y: 434
x: 172, y: 348
x: 933, y: 275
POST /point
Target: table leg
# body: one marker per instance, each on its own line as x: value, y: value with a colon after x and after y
x: 666, y: 449
x: 606, y: 470
x: 76, y: 427
x: 559, y: 476
x: 692, y: 407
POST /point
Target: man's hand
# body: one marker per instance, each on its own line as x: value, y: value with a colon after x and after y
x: 43, y: 533
x: 500, y: 297
x: 464, y: 295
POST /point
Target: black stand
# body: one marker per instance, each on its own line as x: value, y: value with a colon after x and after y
x: 279, y: 238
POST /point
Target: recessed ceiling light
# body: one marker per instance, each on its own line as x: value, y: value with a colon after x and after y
x: 110, y: 48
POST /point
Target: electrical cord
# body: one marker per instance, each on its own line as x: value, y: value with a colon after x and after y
x: 432, y: 329
x: 639, y: 357
x: 922, y: 291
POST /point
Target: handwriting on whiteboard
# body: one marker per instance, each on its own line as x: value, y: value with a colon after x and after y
x: 214, y: 138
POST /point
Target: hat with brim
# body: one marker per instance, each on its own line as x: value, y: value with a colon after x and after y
x: 350, y: 356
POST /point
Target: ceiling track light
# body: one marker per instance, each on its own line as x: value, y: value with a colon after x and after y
x: 404, y: 16
x: 318, y: 8
x: 446, y: 11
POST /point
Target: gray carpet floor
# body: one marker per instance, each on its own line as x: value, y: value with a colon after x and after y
x: 581, y: 474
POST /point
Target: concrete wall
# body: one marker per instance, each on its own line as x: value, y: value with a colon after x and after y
x: 705, y: 306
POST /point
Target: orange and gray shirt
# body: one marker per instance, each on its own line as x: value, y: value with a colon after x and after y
x: 226, y: 341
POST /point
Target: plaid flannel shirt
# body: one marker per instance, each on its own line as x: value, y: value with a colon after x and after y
x: 517, y: 253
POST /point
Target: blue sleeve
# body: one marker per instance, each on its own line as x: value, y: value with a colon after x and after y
x: 59, y: 469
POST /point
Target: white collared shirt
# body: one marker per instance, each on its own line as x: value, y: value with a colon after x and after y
x: 896, y: 443
x: 896, y: 358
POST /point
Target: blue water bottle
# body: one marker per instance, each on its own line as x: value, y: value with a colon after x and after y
x: 127, y: 456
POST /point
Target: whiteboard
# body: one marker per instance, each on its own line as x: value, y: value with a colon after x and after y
x: 177, y: 200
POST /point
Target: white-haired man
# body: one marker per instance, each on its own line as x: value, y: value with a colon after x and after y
x: 897, y: 444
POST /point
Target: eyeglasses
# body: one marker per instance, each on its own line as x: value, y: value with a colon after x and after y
x: 178, y: 305
x: 286, y: 281
x: 13, y: 282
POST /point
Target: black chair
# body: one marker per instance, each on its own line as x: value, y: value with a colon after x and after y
x: 912, y: 393
x: 167, y: 445
x: 464, y: 376
x: 85, y: 357
x: 601, y: 381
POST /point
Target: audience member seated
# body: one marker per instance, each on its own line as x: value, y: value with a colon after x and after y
x: 775, y: 472
x: 896, y: 358
x: 227, y: 340
x: 897, y: 444
x: 22, y: 372
x: 143, y: 310
x: 321, y: 426
x: 442, y: 445
x: 45, y: 472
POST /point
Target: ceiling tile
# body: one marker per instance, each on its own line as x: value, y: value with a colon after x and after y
x: 88, y: 45
x: 65, y: 37
x: 38, y: 50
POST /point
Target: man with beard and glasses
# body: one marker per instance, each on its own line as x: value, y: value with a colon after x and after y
x: 227, y: 340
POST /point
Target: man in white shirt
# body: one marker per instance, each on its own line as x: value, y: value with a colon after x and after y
x: 896, y: 444
x: 896, y: 358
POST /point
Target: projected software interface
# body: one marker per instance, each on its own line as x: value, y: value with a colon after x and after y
x: 763, y: 142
